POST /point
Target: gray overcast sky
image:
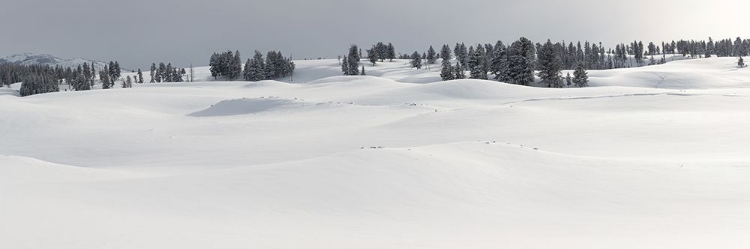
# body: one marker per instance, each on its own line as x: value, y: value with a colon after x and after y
x: 139, y: 32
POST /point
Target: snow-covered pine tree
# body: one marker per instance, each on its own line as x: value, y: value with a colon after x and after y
x: 416, y: 60
x: 86, y: 71
x: 257, y: 67
x: 381, y: 51
x: 127, y: 83
x: 580, y: 77
x: 345, y: 65
x: 153, y: 71
x: 104, y: 77
x: 160, y: 72
x: 476, y: 63
x: 372, y: 55
x: 457, y: 52
x: 391, y: 52
x: 168, y: 73
x: 520, y: 64
x: 177, y: 75
x: 499, y: 63
x: 214, y: 64
x: 117, y: 70
x: 112, y: 71
x: 445, y: 53
x: 270, y: 69
x: 353, y: 59
x: 459, y: 70
x: 246, y: 70
x: 140, y: 76
x: 549, y: 65
x: 431, y: 55
x: 447, y: 72
x: 363, y: 70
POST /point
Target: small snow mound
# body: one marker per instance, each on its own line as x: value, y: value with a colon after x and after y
x: 246, y: 106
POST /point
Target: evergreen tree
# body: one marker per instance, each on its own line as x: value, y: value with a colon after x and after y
x: 80, y: 82
x: 104, y: 78
x: 381, y: 51
x: 270, y: 69
x: 168, y: 73
x: 86, y: 72
x: 372, y: 55
x: 246, y: 71
x: 153, y: 71
x: 363, y: 70
x: 445, y: 53
x: 476, y: 64
x: 236, y: 66
x: 140, y: 76
x: 580, y: 77
x: 214, y: 64
x: 112, y: 71
x: 431, y: 56
x: 459, y: 70
x: 416, y: 60
x: 257, y: 67
x: 127, y: 83
x: 447, y: 72
x: 160, y: 72
x: 391, y: 52
x: 499, y: 63
x: 550, y: 65
x: 345, y: 66
x: 353, y: 60
x: 520, y: 64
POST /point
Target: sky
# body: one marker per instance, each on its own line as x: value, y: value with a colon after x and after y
x: 139, y: 32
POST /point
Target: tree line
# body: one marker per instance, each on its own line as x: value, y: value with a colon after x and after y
x: 163, y: 73
x: 37, y: 79
x: 229, y: 65
x: 518, y: 62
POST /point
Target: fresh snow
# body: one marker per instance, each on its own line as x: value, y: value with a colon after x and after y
x: 651, y: 157
x: 27, y: 59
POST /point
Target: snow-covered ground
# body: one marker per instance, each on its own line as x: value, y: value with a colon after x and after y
x: 652, y: 157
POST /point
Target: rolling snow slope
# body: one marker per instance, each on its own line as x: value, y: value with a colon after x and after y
x: 401, y: 160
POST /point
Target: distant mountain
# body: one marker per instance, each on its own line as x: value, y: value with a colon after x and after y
x: 48, y: 60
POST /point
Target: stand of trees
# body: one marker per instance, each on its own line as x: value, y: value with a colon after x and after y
x: 226, y: 64
x: 39, y: 79
x: 350, y: 64
x: 380, y: 52
x: 164, y: 73
x: 274, y: 66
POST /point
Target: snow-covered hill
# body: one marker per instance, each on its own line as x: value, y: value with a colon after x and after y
x: 653, y: 157
x: 48, y: 60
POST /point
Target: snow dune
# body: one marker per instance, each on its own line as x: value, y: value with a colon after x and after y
x: 384, y: 161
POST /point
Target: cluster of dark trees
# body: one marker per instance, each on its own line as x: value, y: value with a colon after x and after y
x: 274, y: 66
x: 43, y: 79
x: 229, y: 65
x: 163, y: 73
x: 226, y: 64
x: 381, y: 52
x: 516, y: 63
x: 110, y: 75
x: 350, y: 63
x: 39, y: 79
